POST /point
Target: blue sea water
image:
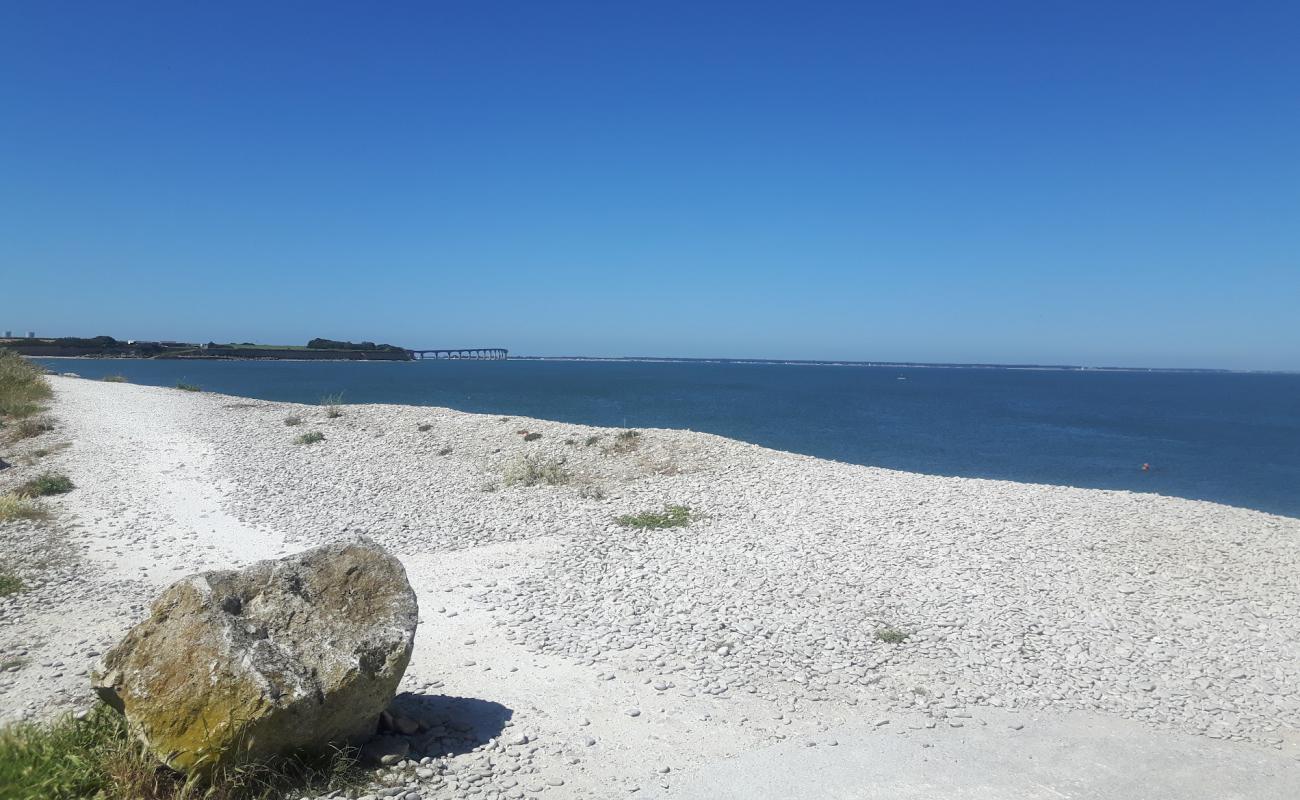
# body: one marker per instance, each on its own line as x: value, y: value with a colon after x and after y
x: 1228, y: 437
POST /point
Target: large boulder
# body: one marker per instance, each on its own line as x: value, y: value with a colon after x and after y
x: 286, y: 655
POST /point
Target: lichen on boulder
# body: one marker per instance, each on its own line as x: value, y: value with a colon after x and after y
x: 284, y: 656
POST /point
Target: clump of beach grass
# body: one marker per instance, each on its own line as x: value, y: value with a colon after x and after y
x: 9, y: 583
x: 188, y: 387
x: 531, y: 471
x: 624, y: 442
x: 532, y: 437
x: 23, y: 387
x: 891, y: 635
x: 671, y: 517
x: 45, y: 484
x: 424, y: 427
x: 312, y: 437
x: 30, y: 428
x: 592, y: 440
x: 331, y: 403
x: 13, y: 507
x: 292, y: 419
x: 97, y: 757
x: 115, y: 379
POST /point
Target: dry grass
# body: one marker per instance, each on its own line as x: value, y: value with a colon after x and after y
x: 13, y: 507
x: 532, y: 471
x: 115, y: 379
x: 23, y: 388
x: 624, y: 442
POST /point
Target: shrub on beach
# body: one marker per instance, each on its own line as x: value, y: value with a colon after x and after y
x: 29, y: 428
x: 310, y: 438
x: 14, y: 507
x: 10, y: 584
x: 188, y: 387
x: 23, y: 387
x: 670, y: 517
x: 625, y: 442
x: 46, y: 484
x: 891, y: 635
x: 331, y: 403
x: 114, y: 379
x: 96, y: 756
x: 293, y: 419
x: 531, y: 471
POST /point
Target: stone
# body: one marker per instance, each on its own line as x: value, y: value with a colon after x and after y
x: 331, y: 634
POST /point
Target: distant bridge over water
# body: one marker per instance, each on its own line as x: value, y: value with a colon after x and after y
x: 475, y: 353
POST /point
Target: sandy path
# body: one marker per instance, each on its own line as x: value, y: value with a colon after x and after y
x: 170, y: 482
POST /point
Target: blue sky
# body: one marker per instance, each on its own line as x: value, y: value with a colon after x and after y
x: 1094, y: 183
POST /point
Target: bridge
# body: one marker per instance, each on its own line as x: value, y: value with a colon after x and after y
x: 476, y: 353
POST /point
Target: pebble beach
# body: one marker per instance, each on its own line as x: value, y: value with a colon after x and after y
x: 576, y: 653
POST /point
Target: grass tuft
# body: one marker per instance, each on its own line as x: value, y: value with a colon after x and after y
x: 13, y: 507
x: 424, y: 427
x: 188, y: 387
x: 10, y: 584
x: 891, y: 635
x: 532, y: 437
x: 292, y: 419
x: 309, y: 438
x: 531, y: 471
x: 30, y: 428
x: 670, y: 517
x: 331, y: 403
x: 624, y: 442
x: 45, y: 484
x: 23, y: 387
x: 114, y: 379
x: 96, y: 757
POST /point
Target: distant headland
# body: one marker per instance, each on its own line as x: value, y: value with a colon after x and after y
x: 315, y: 350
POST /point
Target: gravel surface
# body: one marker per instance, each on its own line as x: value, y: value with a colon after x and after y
x: 559, y: 645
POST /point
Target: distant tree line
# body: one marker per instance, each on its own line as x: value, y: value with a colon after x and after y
x: 332, y: 344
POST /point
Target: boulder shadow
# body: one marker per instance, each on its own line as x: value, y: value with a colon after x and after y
x: 440, y: 725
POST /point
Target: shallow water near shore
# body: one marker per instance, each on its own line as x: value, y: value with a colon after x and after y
x: 1225, y: 437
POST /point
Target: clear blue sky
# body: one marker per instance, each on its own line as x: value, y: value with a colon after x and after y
x: 1079, y: 182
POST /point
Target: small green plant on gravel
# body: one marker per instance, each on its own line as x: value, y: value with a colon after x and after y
x: 891, y: 635
x: 311, y: 437
x: 9, y: 583
x: 31, y: 428
x: 625, y: 442
x: 23, y: 387
x: 532, y: 437
x: 424, y: 427
x: 531, y: 471
x: 188, y: 387
x: 13, y: 507
x: 670, y: 517
x: 96, y: 757
x: 114, y: 379
x: 292, y: 419
x: 45, y: 484
x: 571, y: 442
x: 331, y: 403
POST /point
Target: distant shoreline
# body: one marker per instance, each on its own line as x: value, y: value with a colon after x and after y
x: 754, y: 361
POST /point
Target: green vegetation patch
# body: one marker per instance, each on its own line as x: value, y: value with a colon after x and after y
x: 624, y: 442
x: 293, y: 419
x: 10, y: 584
x: 114, y: 379
x: 891, y: 635
x: 188, y: 387
x: 532, y: 471
x: 670, y: 517
x: 96, y: 757
x: 311, y: 437
x: 13, y: 507
x: 45, y: 484
x: 23, y: 388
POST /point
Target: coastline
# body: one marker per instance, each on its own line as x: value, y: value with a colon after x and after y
x: 753, y: 627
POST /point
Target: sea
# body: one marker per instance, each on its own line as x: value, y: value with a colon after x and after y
x: 1226, y: 437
